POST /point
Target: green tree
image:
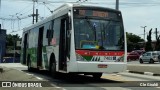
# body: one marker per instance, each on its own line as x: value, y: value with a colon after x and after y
x: 11, y: 41
x: 132, y: 41
x: 157, y: 46
x: 148, y: 46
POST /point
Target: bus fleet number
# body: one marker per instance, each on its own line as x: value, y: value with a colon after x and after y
x: 110, y: 58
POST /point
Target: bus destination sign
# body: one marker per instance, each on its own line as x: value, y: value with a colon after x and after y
x: 93, y: 13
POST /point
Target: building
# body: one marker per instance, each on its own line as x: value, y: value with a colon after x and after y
x: 2, y: 43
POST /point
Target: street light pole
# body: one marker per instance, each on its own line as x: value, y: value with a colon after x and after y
x: 144, y: 32
x: 117, y: 4
x: 0, y: 4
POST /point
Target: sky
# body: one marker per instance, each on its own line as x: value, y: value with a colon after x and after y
x: 136, y: 13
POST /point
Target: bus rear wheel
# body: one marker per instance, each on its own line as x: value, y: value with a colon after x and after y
x: 53, y: 71
x: 29, y: 64
x: 97, y: 75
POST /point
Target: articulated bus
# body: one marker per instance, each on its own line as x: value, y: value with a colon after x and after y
x: 77, y: 39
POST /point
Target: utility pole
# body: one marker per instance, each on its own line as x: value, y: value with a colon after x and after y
x: 33, y: 11
x: 156, y: 32
x: 36, y: 15
x: 14, y: 51
x: 117, y: 4
x: 0, y: 28
x: 144, y: 32
x: 0, y: 4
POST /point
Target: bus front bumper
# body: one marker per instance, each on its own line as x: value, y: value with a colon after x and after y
x: 104, y: 67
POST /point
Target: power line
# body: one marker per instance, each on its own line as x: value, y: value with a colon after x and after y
x: 24, y: 8
x: 128, y: 4
x: 16, y: 18
x: 48, y: 7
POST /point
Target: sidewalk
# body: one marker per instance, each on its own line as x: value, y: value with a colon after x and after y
x: 10, y: 74
x: 147, y: 69
x: 13, y: 75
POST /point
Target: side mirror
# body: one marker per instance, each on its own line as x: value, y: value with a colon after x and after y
x: 69, y: 19
x: 69, y: 13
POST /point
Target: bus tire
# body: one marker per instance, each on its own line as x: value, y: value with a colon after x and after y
x: 29, y: 63
x: 52, y: 70
x: 97, y: 75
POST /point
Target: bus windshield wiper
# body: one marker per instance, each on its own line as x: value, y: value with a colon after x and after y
x: 90, y: 25
x: 104, y: 30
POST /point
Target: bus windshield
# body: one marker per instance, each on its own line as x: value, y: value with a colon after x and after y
x: 98, y: 33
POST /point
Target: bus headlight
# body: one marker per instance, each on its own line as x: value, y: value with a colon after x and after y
x: 79, y: 57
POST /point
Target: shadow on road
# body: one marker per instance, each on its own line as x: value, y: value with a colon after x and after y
x: 74, y: 80
x: 150, y: 63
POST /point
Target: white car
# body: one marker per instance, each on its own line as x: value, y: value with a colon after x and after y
x: 151, y: 57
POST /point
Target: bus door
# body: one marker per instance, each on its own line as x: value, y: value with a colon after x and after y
x: 39, y: 48
x: 25, y: 46
x: 64, y: 45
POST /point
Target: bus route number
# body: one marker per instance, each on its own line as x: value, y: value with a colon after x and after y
x: 110, y: 57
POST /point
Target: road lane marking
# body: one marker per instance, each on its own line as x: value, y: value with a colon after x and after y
x: 39, y: 78
x: 157, y: 87
x: 29, y: 74
x: 114, y: 77
x: 148, y: 73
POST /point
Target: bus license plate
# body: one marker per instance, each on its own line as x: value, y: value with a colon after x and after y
x: 102, y: 66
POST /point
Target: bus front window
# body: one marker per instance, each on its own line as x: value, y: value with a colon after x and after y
x: 98, y: 34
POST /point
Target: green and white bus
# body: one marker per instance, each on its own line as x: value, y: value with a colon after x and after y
x: 77, y: 39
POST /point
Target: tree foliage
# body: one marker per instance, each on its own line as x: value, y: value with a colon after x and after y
x: 11, y: 40
x: 157, y: 46
x: 132, y: 41
x: 148, y: 46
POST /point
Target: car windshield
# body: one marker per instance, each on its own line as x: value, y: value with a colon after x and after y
x: 155, y: 54
x: 147, y: 54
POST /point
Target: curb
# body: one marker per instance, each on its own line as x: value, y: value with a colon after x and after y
x: 145, y: 73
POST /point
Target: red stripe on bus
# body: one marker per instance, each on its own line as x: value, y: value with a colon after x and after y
x: 99, y: 53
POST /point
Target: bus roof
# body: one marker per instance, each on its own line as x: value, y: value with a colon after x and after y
x: 63, y: 7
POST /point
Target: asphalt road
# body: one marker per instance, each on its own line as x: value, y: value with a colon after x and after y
x: 120, y: 81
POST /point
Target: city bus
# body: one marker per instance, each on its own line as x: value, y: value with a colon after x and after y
x: 77, y: 39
